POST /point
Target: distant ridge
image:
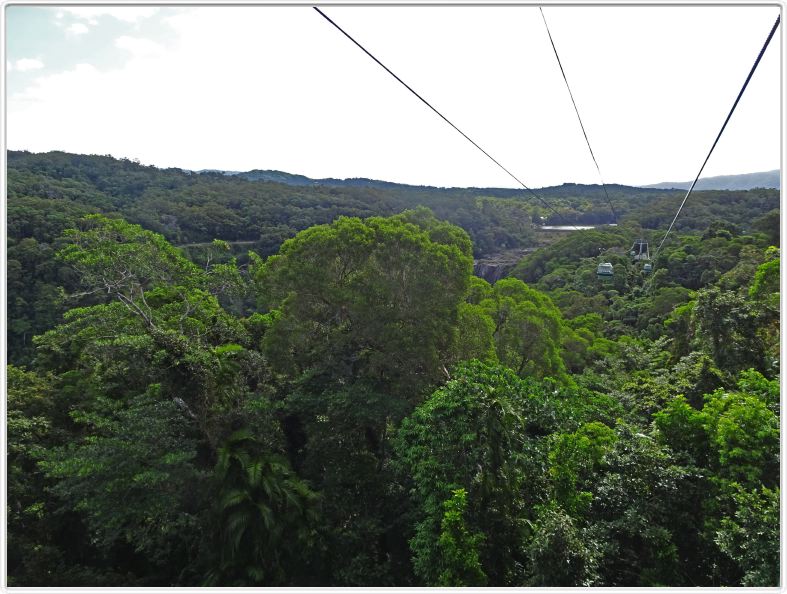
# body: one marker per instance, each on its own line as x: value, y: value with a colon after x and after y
x: 294, y: 179
x: 744, y: 181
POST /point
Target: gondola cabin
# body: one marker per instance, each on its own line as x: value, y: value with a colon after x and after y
x: 648, y: 268
x: 639, y: 251
x: 604, y: 270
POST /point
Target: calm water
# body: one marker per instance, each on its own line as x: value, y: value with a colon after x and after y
x: 568, y: 227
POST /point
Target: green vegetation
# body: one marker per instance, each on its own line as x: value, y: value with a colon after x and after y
x: 309, y: 399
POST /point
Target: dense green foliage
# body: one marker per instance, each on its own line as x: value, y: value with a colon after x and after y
x: 338, y: 401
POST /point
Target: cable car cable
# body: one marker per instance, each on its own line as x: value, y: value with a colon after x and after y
x: 429, y: 105
x: 576, y: 109
x: 745, y: 84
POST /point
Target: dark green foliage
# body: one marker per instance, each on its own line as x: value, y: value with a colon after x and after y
x: 769, y: 225
x: 265, y: 516
x: 575, y: 246
x: 373, y: 299
x: 728, y: 324
x: 313, y: 390
x: 633, y: 505
x: 561, y: 553
x: 35, y: 280
x: 751, y: 537
x: 138, y: 452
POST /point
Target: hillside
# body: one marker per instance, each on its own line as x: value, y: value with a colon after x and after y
x: 175, y: 202
x: 216, y: 381
x: 744, y: 181
x: 47, y: 193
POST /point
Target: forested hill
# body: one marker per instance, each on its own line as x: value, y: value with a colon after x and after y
x: 564, y: 190
x: 743, y: 181
x: 215, y: 381
x: 191, y: 207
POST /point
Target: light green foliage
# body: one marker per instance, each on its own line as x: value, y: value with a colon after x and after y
x: 163, y: 328
x: 459, y: 564
x: 527, y: 329
x: 574, y: 304
x: 766, y: 282
x: 166, y: 433
x: 746, y: 437
x: 574, y: 246
x: 573, y: 458
x: 733, y: 446
x: 753, y: 383
x: 694, y: 376
x: 735, y: 434
x: 476, y: 334
x: 123, y: 260
x: 482, y: 432
x: 684, y: 429
x: 587, y: 330
x: 105, y: 350
x: 679, y: 327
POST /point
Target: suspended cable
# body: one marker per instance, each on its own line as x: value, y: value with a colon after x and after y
x: 745, y: 84
x: 576, y: 109
x: 429, y: 105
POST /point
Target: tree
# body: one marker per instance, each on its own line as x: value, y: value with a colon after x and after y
x: 147, y: 387
x: 751, y: 537
x: 731, y: 447
x: 362, y: 322
x: 374, y: 300
x: 527, y: 329
x: 265, y: 516
x: 633, y: 509
x: 728, y: 324
x: 459, y: 564
x: 483, y: 432
x: 133, y: 478
x: 745, y: 436
x: 561, y: 553
x: 769, y: 223
x: 766, y: 282
x: 124, y: 261
x: 573, y: 458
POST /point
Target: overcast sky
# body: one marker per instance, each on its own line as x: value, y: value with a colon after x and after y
x: 240, y: 88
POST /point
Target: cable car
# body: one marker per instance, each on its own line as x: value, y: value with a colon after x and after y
x: 648, y: 268
x: 604, y: 270
x: 639, y: 251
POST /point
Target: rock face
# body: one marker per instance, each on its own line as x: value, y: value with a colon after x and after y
x: 496, y: 266
x: 491, y: 272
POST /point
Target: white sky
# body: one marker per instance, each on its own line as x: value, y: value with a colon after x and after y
x: 263, y: 87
